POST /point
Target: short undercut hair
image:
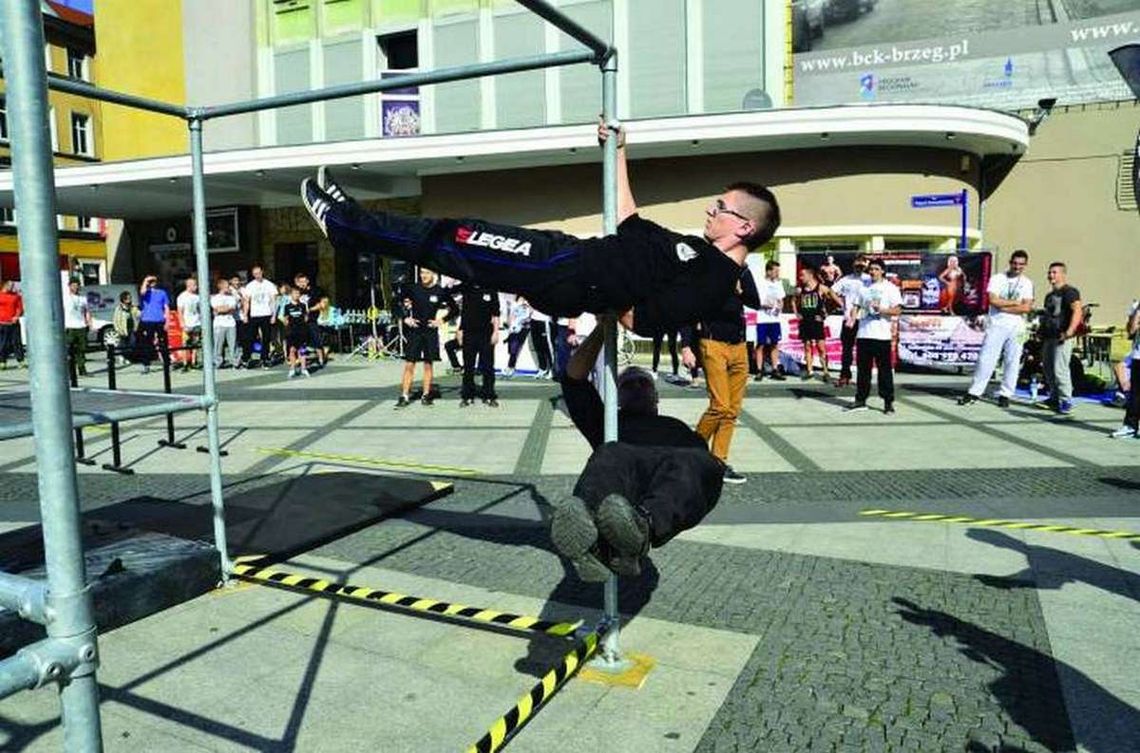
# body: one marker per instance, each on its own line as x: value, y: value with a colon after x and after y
x: 764, y: 229
x: 876, y: 262
x: 637, y: 392
x: 1020, y: 253
x: 1060, y: 264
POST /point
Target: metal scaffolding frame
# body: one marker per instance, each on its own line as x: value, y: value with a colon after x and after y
x: 69, y: 655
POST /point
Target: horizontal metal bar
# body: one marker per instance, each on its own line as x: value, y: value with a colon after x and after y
x: 548, y: 12
x: 19, y: 672
x: 439, y: 76
x: 84, y: 89
x: 23, y: 595
x: 79, y: 420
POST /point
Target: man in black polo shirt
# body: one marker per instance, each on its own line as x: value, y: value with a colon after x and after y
x: 657, y: 480
x: 478, y: 335
x: 724, y: 355
x: 422, y: 304
x: 662, y: 280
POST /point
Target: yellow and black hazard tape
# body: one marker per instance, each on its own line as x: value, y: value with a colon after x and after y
x: 365, y: 460
x: 511, y: 722
x: 249, y: 571
x: 1020, y: 525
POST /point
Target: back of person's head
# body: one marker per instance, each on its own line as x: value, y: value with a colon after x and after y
x: 761, y: 202
x: 637, y: 392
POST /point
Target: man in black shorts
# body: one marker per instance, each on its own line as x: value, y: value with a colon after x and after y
x: 657, y: 480
x: 663, y: 279
x: 478, y: 335
x: 422, y: 305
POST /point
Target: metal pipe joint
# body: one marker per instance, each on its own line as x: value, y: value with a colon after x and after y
x: 25, y: 595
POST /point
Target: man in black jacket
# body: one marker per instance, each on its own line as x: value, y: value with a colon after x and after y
x: 659, y: 280
x: 657, y: 480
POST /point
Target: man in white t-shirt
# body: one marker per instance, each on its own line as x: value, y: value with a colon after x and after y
x: 850, y: 288
x: 190, y: 321
x: 259, y: 303
x: 771, y: 292
x: 1011, y: 298
x: 878, y: 303
x: 76, y: 322
x: 224, y: 304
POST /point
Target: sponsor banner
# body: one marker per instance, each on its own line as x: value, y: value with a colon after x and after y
x: 930, y: 283
x: 1005, y: 55
x: 939, y: 340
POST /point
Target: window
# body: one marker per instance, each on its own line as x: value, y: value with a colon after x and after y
x: 3, y: 120
x: 77, y: 64
x: 82, y: 139
x: 7, y: 216
x: 400, y: 50
x: 399, y: 108
x: 905, y: 244
x: 87, y: 224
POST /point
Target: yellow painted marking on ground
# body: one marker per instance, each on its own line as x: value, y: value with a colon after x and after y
x: 634, y: 677
x: 1016, y: 525
x: 364, y: 460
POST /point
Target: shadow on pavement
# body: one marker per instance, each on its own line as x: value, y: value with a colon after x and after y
x: 1116, y: 722
x: 1052, y: 568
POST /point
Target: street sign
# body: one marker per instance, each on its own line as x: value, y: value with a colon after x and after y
x: 926, y: 201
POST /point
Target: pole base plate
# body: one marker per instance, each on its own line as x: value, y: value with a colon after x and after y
x: 630, y: 671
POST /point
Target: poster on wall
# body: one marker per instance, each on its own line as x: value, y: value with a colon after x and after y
x: 1005, y: 55
x: 940, y: 340
x: 930, y: 283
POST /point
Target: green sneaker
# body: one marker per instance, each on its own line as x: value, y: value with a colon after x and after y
x: 574, y: 535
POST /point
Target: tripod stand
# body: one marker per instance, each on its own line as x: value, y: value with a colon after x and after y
x: 375, y: 346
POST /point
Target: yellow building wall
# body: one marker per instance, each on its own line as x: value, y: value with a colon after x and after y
x: 139, y: 51
x: 1059, y: 203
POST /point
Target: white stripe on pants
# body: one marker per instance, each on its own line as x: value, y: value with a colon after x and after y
x: 1004, y: 341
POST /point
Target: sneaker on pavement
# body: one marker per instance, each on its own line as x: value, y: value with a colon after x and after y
x: 967, y: 399
x: 575, y: 536
x: 317, y: 202
x: 305, y: 372
x: 1124, y: 432
x: 1065, y: 407
x: 427, y: 399
x: 403, y: 402
x: 889, y: 407
x: 732, y: 477
x: 1003, y: 401
x: 854, y: 407
x: 292, y: 373
x: 466, y: 402
x: 491, y: 402
x: 779, y: 377
x: 624, y: 528
x: 328, y: 184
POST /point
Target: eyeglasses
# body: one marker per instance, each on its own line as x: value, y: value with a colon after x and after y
x: 719, y: 207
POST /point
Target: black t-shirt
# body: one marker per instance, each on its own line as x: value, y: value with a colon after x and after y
x: 295, y: 314
x: 1058, y: 310
x: 810, y: 303
x: 479, y: 307
x: 584, y: 405
x: 726, y: 324
x: 425, y: 303
x: 673, y: 279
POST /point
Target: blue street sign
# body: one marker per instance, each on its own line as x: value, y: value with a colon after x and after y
x: 926, y: 201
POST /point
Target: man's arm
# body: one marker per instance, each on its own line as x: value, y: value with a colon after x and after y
x: 626, y: 205
x: 747, y: 290
x: 583, y: 359
x: 1075, y: 323
x: 495, y: 321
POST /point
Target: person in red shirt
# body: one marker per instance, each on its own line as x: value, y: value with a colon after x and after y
x: 11, y: 309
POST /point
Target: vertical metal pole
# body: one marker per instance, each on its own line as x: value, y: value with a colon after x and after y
x: 21, y: 34
x: 965, y: 215
x: 209, y: 373
x: 609, y: 650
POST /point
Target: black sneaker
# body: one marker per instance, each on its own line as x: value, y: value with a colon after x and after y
x: 779, y: 377
x: 574, y: 535
x: 403, y: 402
x: 317, y: 202
x: 466, y: 402
x: 624, y: 528
x: 327, y: 184
x: 889, y: 408
x: 855, y: 407
x: 967, y: 399
x: 1003, y: 401
x: 491, y: 402
x: 427, y: 399
x: 732, y: 477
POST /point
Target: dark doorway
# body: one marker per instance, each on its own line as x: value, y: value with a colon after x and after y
x: 290, y: 259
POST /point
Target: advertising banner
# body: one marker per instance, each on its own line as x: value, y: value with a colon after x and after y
x: 930, y: 283
x: 1006, y: 54
x: 939, y: 340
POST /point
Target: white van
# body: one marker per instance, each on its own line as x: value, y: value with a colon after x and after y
x: 101, y: 302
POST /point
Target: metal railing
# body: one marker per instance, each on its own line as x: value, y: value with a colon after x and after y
x: 68, y: 656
